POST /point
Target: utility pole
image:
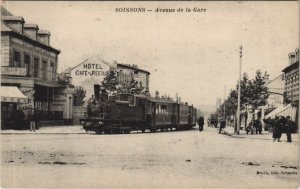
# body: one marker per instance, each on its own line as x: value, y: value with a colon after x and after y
x: 225, y: 102
x: 239, y: 92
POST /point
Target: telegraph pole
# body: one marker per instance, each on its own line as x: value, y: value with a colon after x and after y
x: 239, y: 92
x: 225, y: 102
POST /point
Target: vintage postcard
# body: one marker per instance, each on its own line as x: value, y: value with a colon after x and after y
x: 149, y: 94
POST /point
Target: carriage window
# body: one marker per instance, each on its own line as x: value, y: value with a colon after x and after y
x: 163, y: 109
x: 125, y: 99
x: 131, y: 100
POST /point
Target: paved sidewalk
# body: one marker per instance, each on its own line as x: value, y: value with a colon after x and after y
x: 264, y: 136
x: 76, y: 129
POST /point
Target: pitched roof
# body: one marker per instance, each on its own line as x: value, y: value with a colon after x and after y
x: 291, y: 67
x: 133, y: 68
x: 5, y: 12
x: 5, y: 29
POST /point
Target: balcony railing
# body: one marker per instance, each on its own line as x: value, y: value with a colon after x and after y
x: 16, y: 71
x: 45, y: 75
x: 40, y: 74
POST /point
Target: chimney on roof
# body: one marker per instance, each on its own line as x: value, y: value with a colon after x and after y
x: 266, y: 77
x: 31, y: 30
x: 44, y: 37
x: 292, y: 58
x: 14, y: 22
x: 297, y: 54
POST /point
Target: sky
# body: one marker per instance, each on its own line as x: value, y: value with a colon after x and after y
x: 194, y: 54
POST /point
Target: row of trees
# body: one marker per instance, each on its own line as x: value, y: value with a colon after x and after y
x: 254, y: 93
x: 112, y: 85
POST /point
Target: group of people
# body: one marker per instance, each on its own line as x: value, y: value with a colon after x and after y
x: 281, y: 125
x: 19, y: 122
x: 254, y: 127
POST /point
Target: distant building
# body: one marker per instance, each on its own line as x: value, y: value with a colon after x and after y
x: 93, y: 70
x: 276, y: 90
x: 138, y: 74
x: 29, y: 62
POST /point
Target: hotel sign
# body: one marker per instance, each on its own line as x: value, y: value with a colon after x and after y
x: 19, y: 71
x: 91, y: 69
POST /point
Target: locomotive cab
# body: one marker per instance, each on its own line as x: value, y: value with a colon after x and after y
x: 125, y: 99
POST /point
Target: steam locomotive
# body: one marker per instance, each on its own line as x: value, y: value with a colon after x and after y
x: 123, y: 113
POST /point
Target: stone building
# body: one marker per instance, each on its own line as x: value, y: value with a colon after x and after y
x: 29, y: 62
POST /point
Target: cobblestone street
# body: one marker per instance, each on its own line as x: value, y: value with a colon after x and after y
x: 63, y: 157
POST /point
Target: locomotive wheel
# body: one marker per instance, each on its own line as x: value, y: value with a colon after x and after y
x: 143, y: 130
x: 98, y: 132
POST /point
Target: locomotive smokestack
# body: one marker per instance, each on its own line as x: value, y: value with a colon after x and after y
x: 97, y: 92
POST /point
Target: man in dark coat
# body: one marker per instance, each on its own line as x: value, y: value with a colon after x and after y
x: 258, y: 126
x: 33, y: 119
x: 277, y: 128
x: 200, y: 123
x: 222, y: 124
x: 18, y: 118
x: 288, y: 128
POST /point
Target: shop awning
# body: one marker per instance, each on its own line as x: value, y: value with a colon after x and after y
x: 12, y: 94
x: 276, y: 111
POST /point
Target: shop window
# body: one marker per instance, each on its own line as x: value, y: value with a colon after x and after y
x: 163, y: 109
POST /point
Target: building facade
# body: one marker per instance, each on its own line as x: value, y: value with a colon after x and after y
x: 291, y: 73
x: 93, y: 70
x: 30, y: 63
x: 276, y: 91
x: 291, y: 90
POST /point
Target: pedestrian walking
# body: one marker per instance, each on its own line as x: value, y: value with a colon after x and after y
x: 222, y: 124
x: 258, y: 127
x: 249, y: 128
x: 277, y: 129
x: 288, y: 129
x: 200, y: 123
x: 32, y: 118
